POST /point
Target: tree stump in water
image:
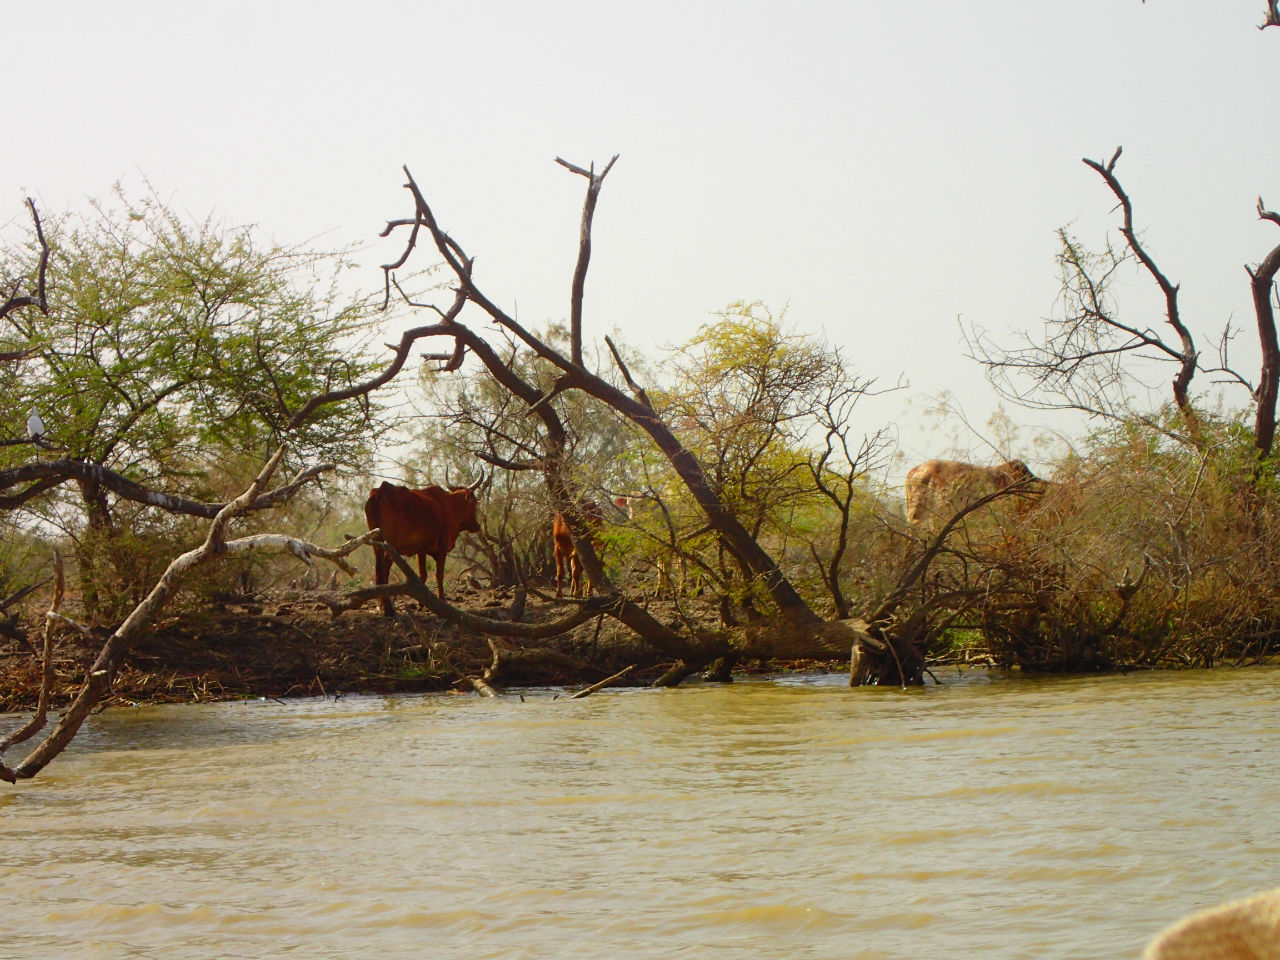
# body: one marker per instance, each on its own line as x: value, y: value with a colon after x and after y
x: 876, y: 657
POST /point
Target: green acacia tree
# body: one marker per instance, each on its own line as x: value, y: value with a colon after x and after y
x: 168, y: 346
x: 767, y: 410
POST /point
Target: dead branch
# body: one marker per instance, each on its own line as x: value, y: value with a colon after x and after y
x: 635, y: 388
x: 356, y: 599
x: 907, y: 583
x: 303, y: 550
x: 39, y: 300
x: 417, y: 589
x: 1187, y: 356
x: 482, y: 687
x: 584, y: 250
x: 388, y: 269
x: 18, y: 595
x: 407, y: 340
x: 483, y: 684
x: 606, y: 682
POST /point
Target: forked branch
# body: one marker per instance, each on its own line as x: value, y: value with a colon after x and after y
x: 595, y: 182
x: 1187, y: 354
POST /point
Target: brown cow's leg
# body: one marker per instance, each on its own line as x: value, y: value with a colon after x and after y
x: 381, y: 570
x: 577, y: 575
x: 559, y: 572
x: 439, y: 576
x: 440, y: 558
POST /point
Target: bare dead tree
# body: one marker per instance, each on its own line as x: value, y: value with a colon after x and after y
x: 1079, y: 364
x: 803, y: 624
x: 1081, y: 360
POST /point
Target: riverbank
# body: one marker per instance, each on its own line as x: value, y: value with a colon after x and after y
x: 292, y: 646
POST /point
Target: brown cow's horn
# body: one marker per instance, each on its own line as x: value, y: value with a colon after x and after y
x: 473, y: 486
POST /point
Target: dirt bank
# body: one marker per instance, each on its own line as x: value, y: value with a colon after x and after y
x: 290, y: 645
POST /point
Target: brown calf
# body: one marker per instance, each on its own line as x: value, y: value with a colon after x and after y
x: 566, y: 553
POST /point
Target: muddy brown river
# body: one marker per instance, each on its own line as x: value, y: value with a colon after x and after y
x: 792, y: 818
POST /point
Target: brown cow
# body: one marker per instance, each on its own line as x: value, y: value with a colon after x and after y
x: 940, y: 488
x: 566, y: 553
x: 423, y: 522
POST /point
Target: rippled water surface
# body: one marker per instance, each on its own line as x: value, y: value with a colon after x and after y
x: 789, y: 819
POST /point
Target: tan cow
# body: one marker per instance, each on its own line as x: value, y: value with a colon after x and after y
x: 939, y: 488
x: 1247, y: 929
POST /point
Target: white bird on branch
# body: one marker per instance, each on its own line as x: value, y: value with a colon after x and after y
x: 35, y: 426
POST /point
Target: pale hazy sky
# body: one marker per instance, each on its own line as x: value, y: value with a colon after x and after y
x: 883, y: 168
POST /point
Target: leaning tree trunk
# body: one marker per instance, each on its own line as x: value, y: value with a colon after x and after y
x: 796, y: 627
